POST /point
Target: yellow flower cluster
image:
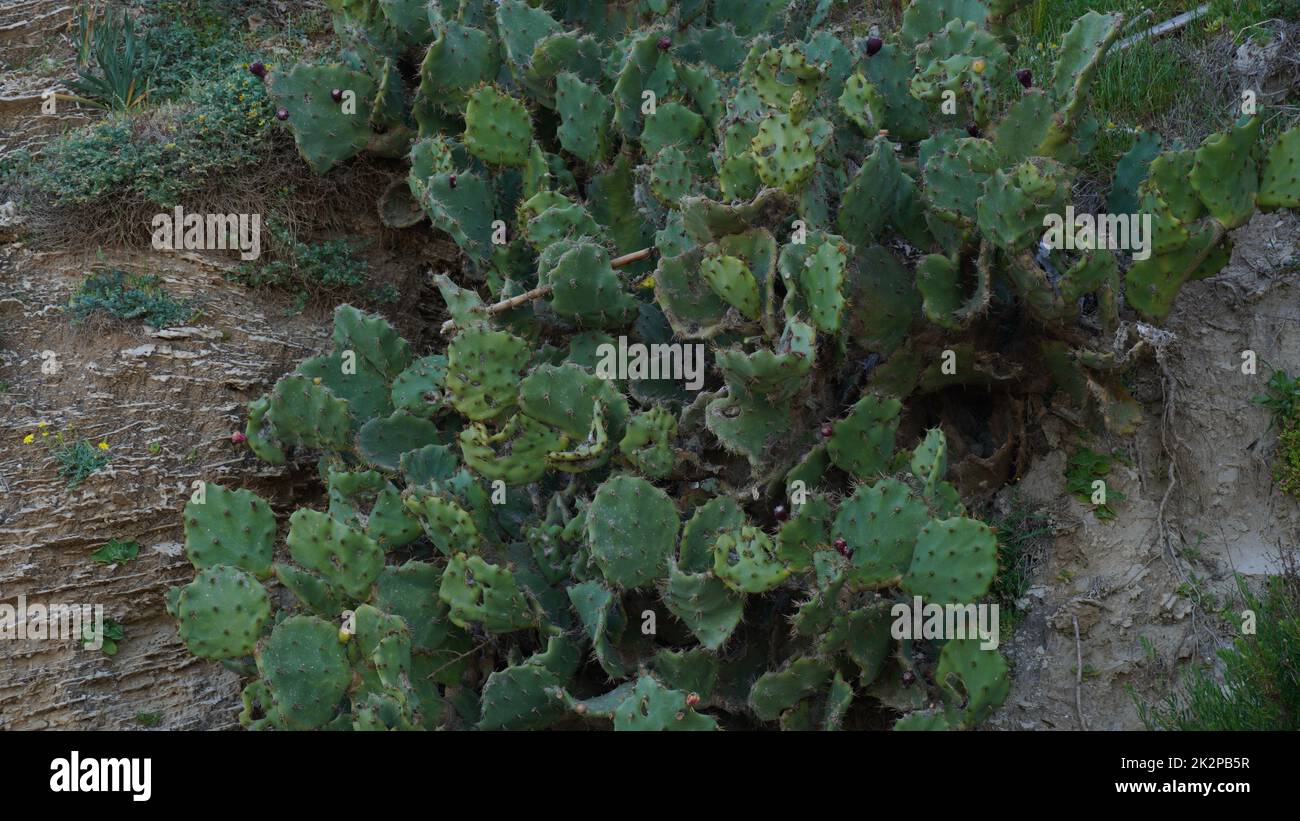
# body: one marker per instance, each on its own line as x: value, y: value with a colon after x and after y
x: 43, y: 429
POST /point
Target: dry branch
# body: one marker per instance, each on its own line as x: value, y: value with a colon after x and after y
x: 542, y: 290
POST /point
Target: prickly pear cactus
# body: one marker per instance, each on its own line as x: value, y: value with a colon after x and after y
x: 688, y: 442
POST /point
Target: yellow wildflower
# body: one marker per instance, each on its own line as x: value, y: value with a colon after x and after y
x: 103, y: 446
x: 27, y: 440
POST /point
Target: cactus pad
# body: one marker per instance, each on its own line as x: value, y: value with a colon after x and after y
x: 954, y: 561
x: 230, y: 527
x: 222, y: 613
x: 306, y: 670
x: 498, y: 128
x: 745, y: 560
x: 632, y: 530
x: 881, y: 524
x: 345, y: 558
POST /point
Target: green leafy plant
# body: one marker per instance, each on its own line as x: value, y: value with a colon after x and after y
x: 1282, y: 400
x: 1286, y: 459
x: 193, y: 41
x: 849, y: 227
x: 113, y: 66
x: 128, y: 296
x: 116, y: 552
x: 149, y: 720
x: 77, y: 458
x: 1083, y: 468
x: 1022, y: 533
x: 112, y: 634
x: 1281, y: 397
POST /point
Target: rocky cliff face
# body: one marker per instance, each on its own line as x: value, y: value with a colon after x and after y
x: 166, y: 402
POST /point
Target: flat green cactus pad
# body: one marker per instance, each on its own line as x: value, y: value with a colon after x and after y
x: 632, y: 530
x: 230, y: 527
x: 222, y: 613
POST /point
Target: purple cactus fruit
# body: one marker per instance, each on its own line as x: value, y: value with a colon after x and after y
x: 257, y: 69
x: 827, y: 431
x: 874, y: 44
x: 282, y: 114
x: 973, y: 129
x: 451, y: 180
x: 1026, y: 77
x: 842, y: 547
x: 336, y: 94
x: 780, y: 513
x: 664, y: 43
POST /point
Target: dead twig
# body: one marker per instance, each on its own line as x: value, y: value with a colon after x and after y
x: 1078, y: 673
x: 1172, y: 24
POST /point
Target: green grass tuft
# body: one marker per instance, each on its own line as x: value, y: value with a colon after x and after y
x: 78, y: 460
x: 1259, y: 686
x: 1022, y: 532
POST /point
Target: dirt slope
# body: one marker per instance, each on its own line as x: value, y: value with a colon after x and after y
x: 181, y: 391
x: 1119, y: 579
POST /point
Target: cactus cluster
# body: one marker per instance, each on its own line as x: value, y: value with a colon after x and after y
x: 513, y: 540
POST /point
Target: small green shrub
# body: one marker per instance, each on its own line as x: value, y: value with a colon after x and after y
x: 149, y: 720
x: 1281, y: 398
x: 1286, y: 461
x: 161, y: 155
x: 16, y: 165
x: 1021, y: 533
x: 311, y: 269
x: 129, y: 296
x: 193, y: 42
x: 1260, y: 684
